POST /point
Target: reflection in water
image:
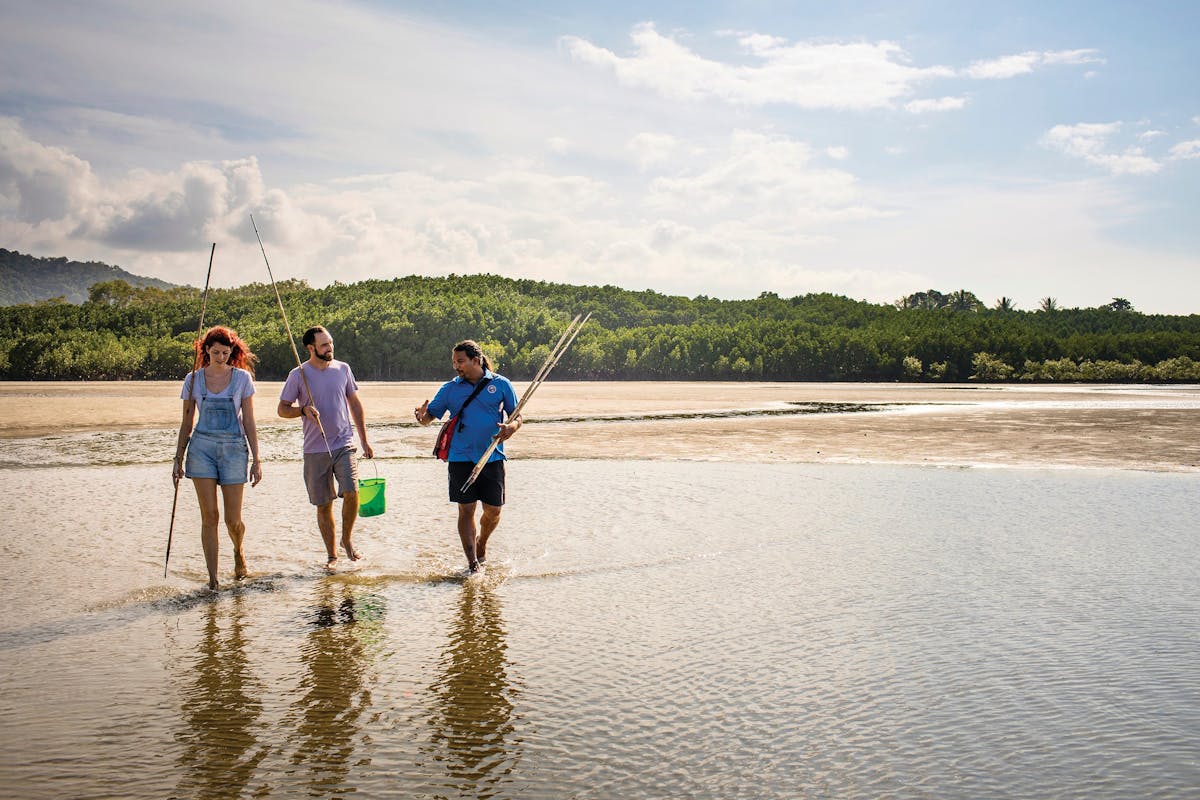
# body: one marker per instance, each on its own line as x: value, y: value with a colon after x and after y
x: 473, y: 718
x: 336, y: 658
x: 220, y: 706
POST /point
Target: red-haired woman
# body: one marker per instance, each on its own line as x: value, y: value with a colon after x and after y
x: 223, y: 392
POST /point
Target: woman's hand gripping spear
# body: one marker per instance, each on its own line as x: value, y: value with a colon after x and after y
x: 177, y: 471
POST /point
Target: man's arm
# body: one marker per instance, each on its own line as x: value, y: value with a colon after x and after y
x: 287, y: 408
x: 507, y: 429
x: 512, y: 423
x: 291, y: 411
x: 422, y: 415
x: 356, y: 414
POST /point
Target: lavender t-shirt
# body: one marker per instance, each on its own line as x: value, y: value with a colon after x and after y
x: 330, y: 387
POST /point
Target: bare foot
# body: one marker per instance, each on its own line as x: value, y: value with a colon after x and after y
x: 480, y: 549
x: 213, y: 585
x: 350, y: 551
x: 239, y: 565
x: 331, y: 563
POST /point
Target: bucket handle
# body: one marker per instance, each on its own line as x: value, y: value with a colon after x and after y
x: 373, y: 464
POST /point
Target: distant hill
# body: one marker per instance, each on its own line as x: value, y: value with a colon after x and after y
x: 27, y: 279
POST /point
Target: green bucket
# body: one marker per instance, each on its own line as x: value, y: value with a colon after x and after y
x: 371, y: 500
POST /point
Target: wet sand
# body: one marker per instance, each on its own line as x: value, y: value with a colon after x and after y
x: 1128, y: 427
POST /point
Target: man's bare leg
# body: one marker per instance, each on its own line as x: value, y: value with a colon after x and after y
x: 349, y: 515
x: 325, y: 524
x: 467, y: 533
x: 487, y: 524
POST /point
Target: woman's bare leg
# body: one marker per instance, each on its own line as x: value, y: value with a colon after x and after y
x: 210, y: 518
x: 237, y: 528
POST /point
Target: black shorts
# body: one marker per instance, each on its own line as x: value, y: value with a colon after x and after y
x: 488, y: 487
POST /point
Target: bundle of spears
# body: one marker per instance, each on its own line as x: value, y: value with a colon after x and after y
x: 556, y: 353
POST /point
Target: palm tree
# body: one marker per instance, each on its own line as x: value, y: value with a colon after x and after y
x: 1006, y: 304
x: 962, y: 300
x: 1049, y: 305
x: 1120, y: 304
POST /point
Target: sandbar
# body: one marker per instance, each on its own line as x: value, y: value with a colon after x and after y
x: 1102, y: 426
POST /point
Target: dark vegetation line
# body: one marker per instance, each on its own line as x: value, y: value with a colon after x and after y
x: 402, y: 329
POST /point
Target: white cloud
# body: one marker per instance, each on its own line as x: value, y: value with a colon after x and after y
x: 1082, y: 56
x: 939, y: 104
x: 766, y: 178
x: 1090, y: 142
x: 1024, y: 63
x: 1147, y: 136
x: 838, y: 153
x: 854, y: 76
x: 652, y: 149
x: 1186, y: 150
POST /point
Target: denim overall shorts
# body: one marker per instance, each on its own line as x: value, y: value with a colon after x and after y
x: 217, y: 448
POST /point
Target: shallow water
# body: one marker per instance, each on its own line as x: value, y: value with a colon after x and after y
x: 644, y: 629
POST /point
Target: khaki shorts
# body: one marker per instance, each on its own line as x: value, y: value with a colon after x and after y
x: 319, y: 473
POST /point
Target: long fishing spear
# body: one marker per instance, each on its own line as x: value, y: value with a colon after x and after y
x: 291, y: 341
x: 556, y: 353
x: 191, y: 395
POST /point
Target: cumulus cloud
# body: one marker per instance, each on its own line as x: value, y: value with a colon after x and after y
x: 40, y: 183
x: 1024, y: 63
x: 49, y: 193
x: 856, y: 76
x: 1091, y: 143
x: 745, y: 203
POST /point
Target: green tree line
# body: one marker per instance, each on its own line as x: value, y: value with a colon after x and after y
x: 402, y: 329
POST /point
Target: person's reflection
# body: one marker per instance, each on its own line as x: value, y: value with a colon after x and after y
x: 220, y: 706
x: 336, y: 659
x: 473, y: 715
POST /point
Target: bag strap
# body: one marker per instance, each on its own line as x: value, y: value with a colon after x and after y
x: 478, y: 388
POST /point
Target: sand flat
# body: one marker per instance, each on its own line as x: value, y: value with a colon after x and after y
x: 1118, y: 426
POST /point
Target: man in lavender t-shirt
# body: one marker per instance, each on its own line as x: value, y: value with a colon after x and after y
x: 329, y: 455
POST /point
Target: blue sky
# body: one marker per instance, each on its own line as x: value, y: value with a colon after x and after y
x: 870, y: 149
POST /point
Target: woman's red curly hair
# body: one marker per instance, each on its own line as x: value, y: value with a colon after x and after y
x: 239, y: 355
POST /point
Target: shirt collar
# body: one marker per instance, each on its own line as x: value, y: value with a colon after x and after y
x: 487, y: 373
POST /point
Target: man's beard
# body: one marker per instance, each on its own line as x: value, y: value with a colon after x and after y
x: 325, y: 356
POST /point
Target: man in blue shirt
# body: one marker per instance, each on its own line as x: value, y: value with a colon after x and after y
x: 487, y: 415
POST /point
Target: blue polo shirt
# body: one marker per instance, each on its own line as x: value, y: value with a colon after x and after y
x: 479, y: 422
